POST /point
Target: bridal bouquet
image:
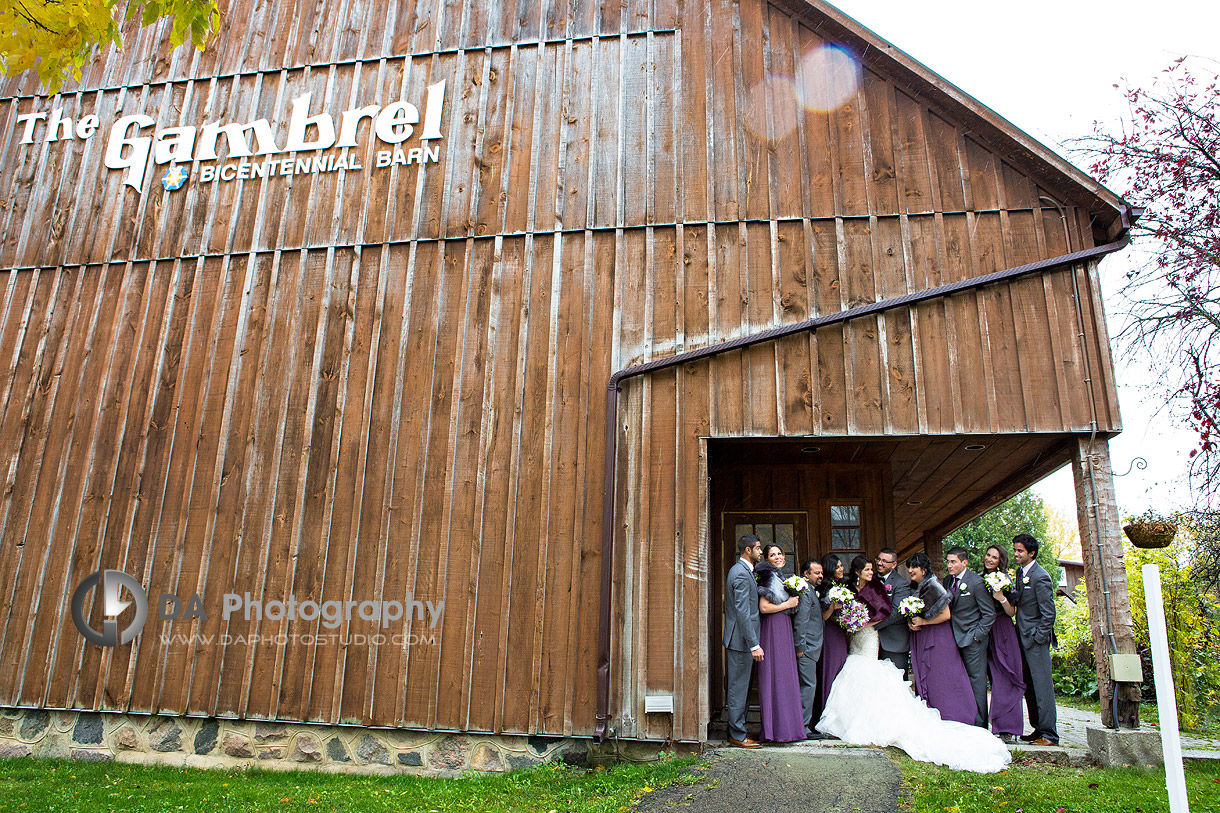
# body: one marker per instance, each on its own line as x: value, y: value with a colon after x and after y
x: 854, y: 616
x: 910, y: 607
x: 998, y: 580
x: 840, y: 594
x: 796, y: 585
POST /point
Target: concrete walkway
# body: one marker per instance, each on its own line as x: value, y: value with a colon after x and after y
x: 798, y: 777
x: 1074, y: 722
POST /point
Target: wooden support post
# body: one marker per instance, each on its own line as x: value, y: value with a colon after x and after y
x: 1104, y: 574
x: 935, y: 550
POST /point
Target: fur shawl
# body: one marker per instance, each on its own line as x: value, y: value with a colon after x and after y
x: 770, y: 583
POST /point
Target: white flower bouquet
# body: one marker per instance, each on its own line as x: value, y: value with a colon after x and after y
x: 998, y: 580
x: 840, y: 594
x: 910, y: 607
x: 796, y: 585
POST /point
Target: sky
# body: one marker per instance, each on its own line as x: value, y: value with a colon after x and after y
x: 1050, y: 69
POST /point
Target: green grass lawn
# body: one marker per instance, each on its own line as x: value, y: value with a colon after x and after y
x: 1045, y: 788
x: 58, y: 785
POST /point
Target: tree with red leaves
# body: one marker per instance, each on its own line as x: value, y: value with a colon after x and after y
x: 1166, y: 157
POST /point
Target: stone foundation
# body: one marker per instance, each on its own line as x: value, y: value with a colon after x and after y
x: 227, y: 743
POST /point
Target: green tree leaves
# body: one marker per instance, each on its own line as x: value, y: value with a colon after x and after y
x: 58, y: 38
x: 1192, y: 619
x: 1023, y: 514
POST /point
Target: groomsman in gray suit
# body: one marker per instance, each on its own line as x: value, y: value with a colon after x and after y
x: 1035, y: 600
x: 893, y: 633
x: 972, y: 612
x: 741, y: 635
x: 808, y: 627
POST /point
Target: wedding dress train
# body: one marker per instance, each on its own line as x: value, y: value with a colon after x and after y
x: 870, y: 704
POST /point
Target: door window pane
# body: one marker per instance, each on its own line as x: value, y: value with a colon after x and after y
x: 785, y: 534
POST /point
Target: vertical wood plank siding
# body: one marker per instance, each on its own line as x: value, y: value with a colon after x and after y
x: 356, y: 385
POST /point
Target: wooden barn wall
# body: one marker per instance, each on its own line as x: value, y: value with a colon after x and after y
x: 357, y: 424
x: 622, y: 131
x: 359, y: 384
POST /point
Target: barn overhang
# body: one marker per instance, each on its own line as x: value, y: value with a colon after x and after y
x: 1036, y: 460
x: 939, y: 482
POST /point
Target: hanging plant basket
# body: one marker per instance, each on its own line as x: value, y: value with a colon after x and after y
x: 1151, y: 533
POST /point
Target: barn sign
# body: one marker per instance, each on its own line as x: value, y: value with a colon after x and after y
x: 128, y: 148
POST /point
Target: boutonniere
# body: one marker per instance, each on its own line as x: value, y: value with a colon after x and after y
x: 1025, y: 580
x: 889, y: 588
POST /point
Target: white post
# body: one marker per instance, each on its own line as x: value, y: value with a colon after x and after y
x: 1166, y: 701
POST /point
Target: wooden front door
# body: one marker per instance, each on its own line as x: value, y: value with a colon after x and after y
x: 788, y: 529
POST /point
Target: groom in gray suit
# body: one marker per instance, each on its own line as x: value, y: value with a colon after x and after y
x: 742, y: 648
x: 1035, y: 600
x: 892, y: 631
x: 972, y: 612
x: 808, y: 628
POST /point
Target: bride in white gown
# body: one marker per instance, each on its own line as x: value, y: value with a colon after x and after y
x: 870, y: 704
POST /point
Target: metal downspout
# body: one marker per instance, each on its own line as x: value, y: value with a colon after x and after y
x: 615, y: 385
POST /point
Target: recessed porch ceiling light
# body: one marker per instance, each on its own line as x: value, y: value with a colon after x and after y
x: 975, y: 447
x: 811, y: 449
x: 914, y: 502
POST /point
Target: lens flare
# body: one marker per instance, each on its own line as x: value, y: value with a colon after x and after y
x: 772, y: 108
x: 828, y: 78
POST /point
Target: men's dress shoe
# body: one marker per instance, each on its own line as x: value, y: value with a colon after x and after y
x: 746, y: 743
x: 816, y: 735
x: 1008, y: 739
x: 1043, y: 741
x: 1030, y: 737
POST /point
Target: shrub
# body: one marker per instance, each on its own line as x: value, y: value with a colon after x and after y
x: 1192, y: 618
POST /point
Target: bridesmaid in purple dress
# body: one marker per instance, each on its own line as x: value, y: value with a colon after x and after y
x: 1004, y: 657
x: 779, y: 688
x: 936, y: 666
x: 834, y: 639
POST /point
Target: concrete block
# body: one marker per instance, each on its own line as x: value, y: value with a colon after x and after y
x: 1125, y: 747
